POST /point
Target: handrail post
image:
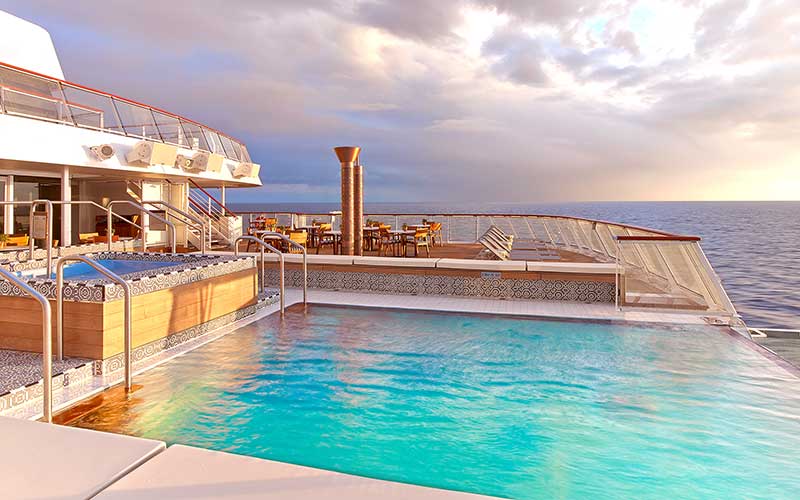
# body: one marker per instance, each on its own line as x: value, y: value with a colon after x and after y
x: 128, y: 341
x: 295, y: 244
x: 272, y: 249
x: 47, y: 342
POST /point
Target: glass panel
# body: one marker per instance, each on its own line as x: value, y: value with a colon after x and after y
x: 245, y: 153
x: 228, y: 145
x: 137, y: 120
x: 33, y: 96
x: 91, y: 110
x: 214, y: 142
x: 594, y: 239
x: 170, y: 129
x: 237, y: 148
x: 552, y: 229
x: 194, y: 136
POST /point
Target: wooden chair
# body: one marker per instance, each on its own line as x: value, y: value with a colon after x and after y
x: 436, y: 234
x: 87, y: 237
x: 386, y: 240
x: 20, y: 240
x: 300, y: 237
x: 420, y: 238
x: 326, y: 239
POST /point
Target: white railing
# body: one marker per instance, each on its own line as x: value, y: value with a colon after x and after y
x: 223, y: 225
x: 31, y: 95
x: 656, y: 268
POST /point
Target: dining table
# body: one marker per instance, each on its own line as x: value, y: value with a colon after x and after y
x: 397, y: 235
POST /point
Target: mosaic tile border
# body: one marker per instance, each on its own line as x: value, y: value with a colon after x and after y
x: 189, y: 268
x: 144, y: 352
x: 24, y: 395
x: 415, y: 284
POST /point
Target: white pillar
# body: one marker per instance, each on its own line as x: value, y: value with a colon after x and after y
x: 8, y: 210
x: 222, y: 196
x: 66, y: 210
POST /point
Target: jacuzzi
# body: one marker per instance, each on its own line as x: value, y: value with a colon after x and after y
x: 175, y: 298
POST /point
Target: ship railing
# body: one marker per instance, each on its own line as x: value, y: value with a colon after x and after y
x: 32, y: 95
x: 190, y: 220
x: 223, y: 223
x: 656, y: 268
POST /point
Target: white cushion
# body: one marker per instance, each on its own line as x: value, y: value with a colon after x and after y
x: 573, y: 267
x: 395, y: 261
x: 482, y: 265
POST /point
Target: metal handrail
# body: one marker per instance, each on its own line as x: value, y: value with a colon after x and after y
x: 272, y: 249
x: 144, y: 233
x: 127, y: 308
x: 95, y: 204
x: 47, y: 339
x: 196, y: 220
x: 305, y: 257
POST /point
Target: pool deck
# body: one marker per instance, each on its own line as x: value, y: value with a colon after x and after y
x: 72, y: 463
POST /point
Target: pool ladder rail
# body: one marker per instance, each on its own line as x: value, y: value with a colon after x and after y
x: 282, y: 280
x: 47, y: 347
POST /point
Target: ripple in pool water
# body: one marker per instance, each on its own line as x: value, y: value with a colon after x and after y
x: 510, y: 407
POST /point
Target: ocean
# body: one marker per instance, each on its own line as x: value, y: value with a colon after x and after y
x: 753, y: 246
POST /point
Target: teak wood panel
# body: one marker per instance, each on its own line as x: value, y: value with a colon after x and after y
x: 95, y: 330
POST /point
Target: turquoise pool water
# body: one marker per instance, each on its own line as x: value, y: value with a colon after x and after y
x: 82, y: 271
x: 509, y: 407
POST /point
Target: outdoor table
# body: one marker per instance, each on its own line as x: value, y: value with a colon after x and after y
x: 397, y: 233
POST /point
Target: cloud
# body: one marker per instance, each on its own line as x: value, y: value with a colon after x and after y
x: 464, y: 99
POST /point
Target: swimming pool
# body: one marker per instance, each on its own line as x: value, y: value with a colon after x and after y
x: 82, y: 271
x: 502, y: 406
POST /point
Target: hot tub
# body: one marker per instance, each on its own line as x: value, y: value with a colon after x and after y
x: 176, y: 297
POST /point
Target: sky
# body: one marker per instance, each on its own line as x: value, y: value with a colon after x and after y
x: 465, y: 100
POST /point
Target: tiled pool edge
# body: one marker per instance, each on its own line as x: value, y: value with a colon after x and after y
x: 188, y: 268
x: 110, y: 370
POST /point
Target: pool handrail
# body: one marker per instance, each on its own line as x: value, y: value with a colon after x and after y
x: 295, y: 244
x: 47, y: 339
x: 126, y: 288
x: 109, y: 232
x: 263, y: 244
x: 186, y: 215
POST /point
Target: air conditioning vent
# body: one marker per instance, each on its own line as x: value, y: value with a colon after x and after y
x: 103, y: 151
x: 147, y: 153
